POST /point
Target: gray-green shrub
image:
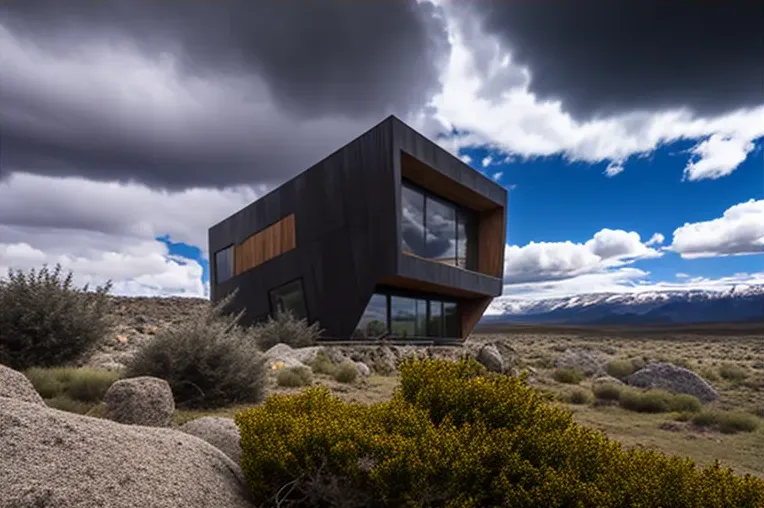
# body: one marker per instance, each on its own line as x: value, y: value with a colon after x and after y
x: 45, y: 321
x: 346, y: 372
x: 579, y: 396
x: 619, y: 368
x: 292, y: 377
x: 658, y: 401
x: 607, y: 391
x: 321, y: 364
x: 732, y: 372
x: 285, y: 328
x: 208, y: 360
x: 568, y: 376
x: 726, y: 422
x: 80, y: 384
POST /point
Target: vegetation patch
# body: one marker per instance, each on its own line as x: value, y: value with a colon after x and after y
x: 658, y: 401
x: 732, y: 372
x: 78, y: 384
x: 285, y: 328
x: 321, y: 364
x: 568, y: 376
x: 346, y: 372
x: 620, y: 368
x: 46, y: 321
x: 293, y: 377
x: 579, y: 396
x: 209, y: 361
x: 455, y: 436
x: 726, y: 422
x: 610, y: 392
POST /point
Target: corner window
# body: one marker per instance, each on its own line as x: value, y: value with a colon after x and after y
x: 289, y: 297
x: 224, y: 264
x: 404, y: 316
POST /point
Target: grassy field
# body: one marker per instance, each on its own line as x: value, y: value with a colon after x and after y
x: 733, y: 364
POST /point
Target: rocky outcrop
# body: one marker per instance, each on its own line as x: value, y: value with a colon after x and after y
x: 363, y: 369
x: 290, y: 357
x: 222, y: 433
x: 491, y: 359
x: 667, y: 376
x: 140, y: 401
x: 15, y: 385
x: 54, y: 458
x: 591, y: 363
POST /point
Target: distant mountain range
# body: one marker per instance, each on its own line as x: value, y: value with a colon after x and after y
x: 738, y: 304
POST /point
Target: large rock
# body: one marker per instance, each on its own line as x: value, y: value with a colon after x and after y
x: 288, y: 356
x: 140, y: 401
x: 490, y: 357
x: 54, y: 458
x: 667, y: 376
x: 591, y: 363
x: 15, y: 385
x: 363, y: 369
x: 222, y: 433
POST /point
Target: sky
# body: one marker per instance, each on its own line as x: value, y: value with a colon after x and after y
x: 630, y: 135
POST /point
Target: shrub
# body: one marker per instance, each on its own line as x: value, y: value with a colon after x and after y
x: 46, y: 321
x: 619, y: 368
x: 455, y: 436
x: 66, y: 403
x: 346, y: 372
x: 709, y: 374
x: 658, y: 401
x: 208, y: 360
x: 638, y: 363
x: 286, y: 329
x: 80, y: 384
x: 294, y: 376
x: 568, y: 376
x: 579, y: 396
x: 726, y: 422
x: 686, y: 403
x: 321, y: 364
x: 607, y: 391
x: 732, y: 372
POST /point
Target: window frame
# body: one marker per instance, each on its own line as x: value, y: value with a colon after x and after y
x: 232, y: 248
x: 271, y: 301
x: 471, y: 218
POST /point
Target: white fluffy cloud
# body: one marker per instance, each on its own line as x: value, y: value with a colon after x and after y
x: 550, y: 261
x: 740, y: 230
x: 515, y: 121
x: 656, y: 239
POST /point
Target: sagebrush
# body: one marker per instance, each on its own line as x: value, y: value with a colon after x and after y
x: 292, y: 377
x: 454, y: 435
x: 46, y: 321
x: 209, y: 361
x: 80, y: 384
x: 285, y: 328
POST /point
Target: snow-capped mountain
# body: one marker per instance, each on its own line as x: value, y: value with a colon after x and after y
x: 739, y: 303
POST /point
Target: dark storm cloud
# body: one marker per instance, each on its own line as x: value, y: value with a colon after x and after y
x: 293, y: 80
x: 601, y: 56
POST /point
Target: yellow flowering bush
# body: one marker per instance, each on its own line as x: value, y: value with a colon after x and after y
x: 455, y: 435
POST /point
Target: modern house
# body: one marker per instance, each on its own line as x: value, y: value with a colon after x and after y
x: 390, y: 236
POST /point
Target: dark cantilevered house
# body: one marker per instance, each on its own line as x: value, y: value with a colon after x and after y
x: 388, y: 237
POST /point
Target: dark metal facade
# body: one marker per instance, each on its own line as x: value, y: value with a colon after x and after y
x: 347, y: 220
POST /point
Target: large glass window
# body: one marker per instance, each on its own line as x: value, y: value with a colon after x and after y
x: 373, y: 322
x: 435, y: 229
x: 224, y: 264
x: 289, y: 297
x: 412, y: 221
x: 401, y: 317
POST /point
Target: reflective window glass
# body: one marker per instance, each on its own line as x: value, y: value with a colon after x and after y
x: 289, y: 297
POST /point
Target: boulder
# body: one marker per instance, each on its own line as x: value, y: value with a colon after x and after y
x: 363, y: 369
x: 591, y: 363
x: 288, y: 356
x: 15, y: 385
x: 490, y: 357
x: 140, y: 401
x: 55, y: 458
x: 222, y: 433
x: 667, y: 376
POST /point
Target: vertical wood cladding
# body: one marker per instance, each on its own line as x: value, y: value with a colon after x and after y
x: 492, y: 232
x: 265, y: 245
x: 471, y: 312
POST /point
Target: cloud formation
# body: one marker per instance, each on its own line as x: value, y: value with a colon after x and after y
x: 182, y: 94
x: 604, y: 58
x: 740, y: 230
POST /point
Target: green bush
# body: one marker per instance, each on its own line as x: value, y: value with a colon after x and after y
x: 46, y: 321
x: 455, y: 436
x: 709, y: 374
x: 726, y: 422
x: 568, y: 376
x: 79, y: 384
x: 286, y: 329
x: 293, y: 377
x: 607, y: 391
x: 208, y: 360
x: 321, y: 364
x: 658, y: 401
x: 579, y: 396
x: 732, y: 372
x: 346, y: 372
x: 620, y: 368
x: 66, y: 403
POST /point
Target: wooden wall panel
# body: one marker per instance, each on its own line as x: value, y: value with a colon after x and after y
x: 472, y: 311
x: 265, y: 245
x: 491, y: 239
